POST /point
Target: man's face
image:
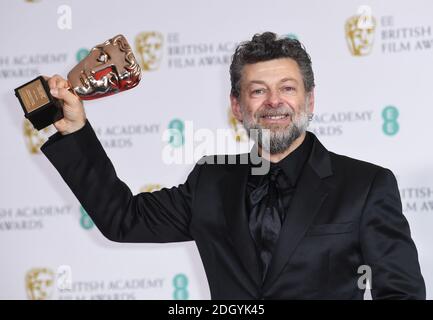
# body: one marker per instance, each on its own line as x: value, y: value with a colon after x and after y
x: 273, y: 97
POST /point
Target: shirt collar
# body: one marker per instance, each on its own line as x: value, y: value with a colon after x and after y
x: 292, y: 164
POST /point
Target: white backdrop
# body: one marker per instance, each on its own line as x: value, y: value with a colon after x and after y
x: 375, y: 107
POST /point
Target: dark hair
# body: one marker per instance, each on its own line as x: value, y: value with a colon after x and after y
x: 267, y: 46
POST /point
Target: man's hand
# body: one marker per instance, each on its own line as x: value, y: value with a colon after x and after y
x: 73, y: 110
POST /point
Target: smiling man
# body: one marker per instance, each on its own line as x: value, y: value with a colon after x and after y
x: 300, y: 231
x: 273, y: 95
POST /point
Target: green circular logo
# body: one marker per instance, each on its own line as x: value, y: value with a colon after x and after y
x: 81, y: 54
x: 177, y: 138
x: 390, y: 125
x: 180, y: 284
x: 85, y: 221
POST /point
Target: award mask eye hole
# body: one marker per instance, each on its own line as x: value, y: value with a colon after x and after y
x: 103, y: 57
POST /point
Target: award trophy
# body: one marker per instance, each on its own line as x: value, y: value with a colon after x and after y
x: 108, y: 69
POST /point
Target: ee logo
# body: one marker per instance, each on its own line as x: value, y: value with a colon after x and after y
x: 85, y: 220
x: 177, y: 135
x: 81, y: 54
x: 180, y: 283
x: 390, y: 125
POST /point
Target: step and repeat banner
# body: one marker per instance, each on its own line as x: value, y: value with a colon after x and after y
x: 373, y: 62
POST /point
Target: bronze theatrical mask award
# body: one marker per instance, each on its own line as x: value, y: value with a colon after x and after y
x: 108, y: 69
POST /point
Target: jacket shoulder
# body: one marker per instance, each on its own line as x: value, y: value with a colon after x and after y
x: 352, y: 167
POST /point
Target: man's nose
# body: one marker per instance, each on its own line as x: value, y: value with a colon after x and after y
x: 273, y: 99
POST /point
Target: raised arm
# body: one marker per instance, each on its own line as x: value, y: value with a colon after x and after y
x: 77, y: 154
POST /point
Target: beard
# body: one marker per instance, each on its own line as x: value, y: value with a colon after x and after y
x: 274, y: 139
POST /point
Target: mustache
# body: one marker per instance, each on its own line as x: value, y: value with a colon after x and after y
x: 272, y: 112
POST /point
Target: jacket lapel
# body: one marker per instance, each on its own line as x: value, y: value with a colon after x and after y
x: 307, y: 200
x: 233, y: 185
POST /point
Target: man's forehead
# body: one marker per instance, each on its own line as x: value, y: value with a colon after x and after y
x: 284, y: 69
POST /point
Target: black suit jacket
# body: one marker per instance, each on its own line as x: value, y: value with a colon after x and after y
x: 345, y: 213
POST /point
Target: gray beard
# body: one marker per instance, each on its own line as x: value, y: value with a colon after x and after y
x: 276, y: 141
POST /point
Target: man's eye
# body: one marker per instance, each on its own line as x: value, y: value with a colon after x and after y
x: 289, y: 89
x: 258, y: 91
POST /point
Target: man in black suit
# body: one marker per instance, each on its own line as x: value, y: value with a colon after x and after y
x: 300, y: 231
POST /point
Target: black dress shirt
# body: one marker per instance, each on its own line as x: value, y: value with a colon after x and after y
x: 290, y: 170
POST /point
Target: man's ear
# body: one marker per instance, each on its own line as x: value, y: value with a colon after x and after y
x: 236, y: 108
x: 310, y: 107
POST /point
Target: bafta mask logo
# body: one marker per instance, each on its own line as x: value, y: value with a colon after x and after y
x: 34, y: 139
x: 151, y: 187
x: 108, y: 69
x: 148, y: 46
x: 359, y: 31
x: 39, y: 283
x: 237, y: 127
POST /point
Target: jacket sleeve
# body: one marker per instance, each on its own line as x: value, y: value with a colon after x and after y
x: 160, y: 216
x: 387, y: 245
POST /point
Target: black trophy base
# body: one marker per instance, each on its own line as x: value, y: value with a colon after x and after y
x: 39, y: 106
